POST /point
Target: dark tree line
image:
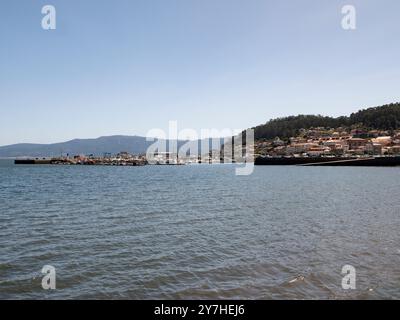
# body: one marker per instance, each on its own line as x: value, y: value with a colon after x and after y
x: 386, y: 117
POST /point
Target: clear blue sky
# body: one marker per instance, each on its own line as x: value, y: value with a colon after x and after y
x: 126, y: 66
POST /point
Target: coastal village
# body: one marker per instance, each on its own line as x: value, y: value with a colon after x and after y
x: 339, y: 142
x: 310, y: 143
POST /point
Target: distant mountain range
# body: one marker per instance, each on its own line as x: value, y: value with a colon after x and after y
x: 99, y: 146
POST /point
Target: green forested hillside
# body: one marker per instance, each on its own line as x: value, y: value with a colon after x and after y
x: 386, y: 117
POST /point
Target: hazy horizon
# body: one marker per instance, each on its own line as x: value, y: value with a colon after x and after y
x: 125, y: 67
x: 155, y: 137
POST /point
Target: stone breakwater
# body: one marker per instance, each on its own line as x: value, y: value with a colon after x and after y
x: 94, y: 161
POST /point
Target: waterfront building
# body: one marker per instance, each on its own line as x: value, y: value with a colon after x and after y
x: 356, y: 143
x: 385, y: 141
x: 373, y: 148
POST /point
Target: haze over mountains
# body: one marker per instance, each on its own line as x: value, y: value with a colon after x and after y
x: 99, y: 146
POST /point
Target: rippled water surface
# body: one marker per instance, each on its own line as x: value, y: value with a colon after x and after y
x: 199, y: 232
